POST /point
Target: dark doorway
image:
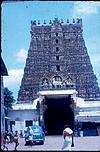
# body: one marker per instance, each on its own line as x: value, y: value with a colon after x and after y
x: 58, y: 114
x: 12, y: 123
x: 28, y: 123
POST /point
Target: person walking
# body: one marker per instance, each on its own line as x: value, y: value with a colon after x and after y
x: 16, y: 139
x: 67, y: 134
x: 5, y: 141
x: 31, y: 136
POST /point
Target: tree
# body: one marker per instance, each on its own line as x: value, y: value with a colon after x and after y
x: 8, y: 100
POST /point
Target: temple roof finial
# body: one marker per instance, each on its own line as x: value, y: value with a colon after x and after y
x: 62, y: 21
x: 67, y: 20
x: 44, y: 22
x: 50, y: 22
x: 56, y: 20
x: 38, y: 22
x: 33, y: 22
x: 73, y: 20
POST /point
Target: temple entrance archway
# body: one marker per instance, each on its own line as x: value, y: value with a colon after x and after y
x: 58, y: 113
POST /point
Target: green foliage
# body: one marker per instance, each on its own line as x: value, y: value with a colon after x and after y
x: 8, y: 98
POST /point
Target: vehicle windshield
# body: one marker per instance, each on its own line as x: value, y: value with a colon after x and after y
x: 36, y: 128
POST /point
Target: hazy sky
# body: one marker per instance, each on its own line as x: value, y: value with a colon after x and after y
x: 16, y: 22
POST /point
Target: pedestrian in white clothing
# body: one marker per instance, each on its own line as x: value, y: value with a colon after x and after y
x: 31, y: 136
x: 67, y: 134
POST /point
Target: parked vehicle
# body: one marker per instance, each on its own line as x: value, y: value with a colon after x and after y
x: 38, y: 135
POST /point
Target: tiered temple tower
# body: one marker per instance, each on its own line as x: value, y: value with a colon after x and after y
x: 58, y: 59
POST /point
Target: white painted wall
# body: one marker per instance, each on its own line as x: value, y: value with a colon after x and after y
x: 20, y: 116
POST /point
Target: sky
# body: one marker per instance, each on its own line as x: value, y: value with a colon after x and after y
x: 16, y: 25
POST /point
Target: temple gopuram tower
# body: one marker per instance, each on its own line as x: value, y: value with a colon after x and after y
x: 58, y: 59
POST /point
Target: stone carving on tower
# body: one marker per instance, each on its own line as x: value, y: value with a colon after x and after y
x: 58, y: 59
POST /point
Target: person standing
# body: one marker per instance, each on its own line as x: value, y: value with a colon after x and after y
x: 16, y: 139
x: 67, y: 134
x: 31, y: 136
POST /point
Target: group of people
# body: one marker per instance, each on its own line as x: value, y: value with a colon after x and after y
x: 5, y: 140
x: 67, y: 134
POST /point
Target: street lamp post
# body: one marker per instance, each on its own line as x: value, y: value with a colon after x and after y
x: 38, y: 110
x: 72, y: 106
x: 73, y: 127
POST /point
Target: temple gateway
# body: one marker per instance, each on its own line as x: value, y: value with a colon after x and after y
x: 59, y: 74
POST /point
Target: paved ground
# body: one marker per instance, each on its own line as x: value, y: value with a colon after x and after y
x: 90, y: 143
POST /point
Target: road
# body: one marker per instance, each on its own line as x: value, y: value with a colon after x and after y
x: 90, y: 143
